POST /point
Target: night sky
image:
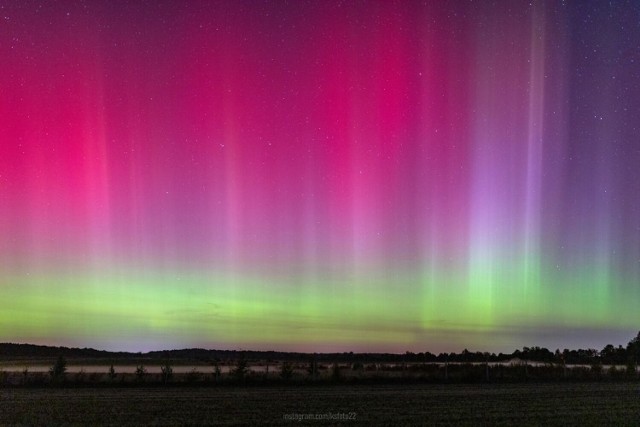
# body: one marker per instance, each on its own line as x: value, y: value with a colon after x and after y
x: 320, y: 175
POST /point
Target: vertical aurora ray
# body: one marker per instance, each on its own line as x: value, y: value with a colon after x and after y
x: 382, y: 176
x: 535, y: 153
x: 496, y: 184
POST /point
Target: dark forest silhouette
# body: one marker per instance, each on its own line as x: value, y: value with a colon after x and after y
x: 609, y: 355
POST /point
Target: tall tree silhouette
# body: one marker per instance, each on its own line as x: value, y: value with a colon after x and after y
x: 633, y: 349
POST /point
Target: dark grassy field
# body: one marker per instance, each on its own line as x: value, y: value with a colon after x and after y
x: 452, y: 404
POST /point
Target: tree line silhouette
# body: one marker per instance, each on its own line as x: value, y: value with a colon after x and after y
x: 609, y: 355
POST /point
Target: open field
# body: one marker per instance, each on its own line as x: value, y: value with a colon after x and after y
x: 452, y: 404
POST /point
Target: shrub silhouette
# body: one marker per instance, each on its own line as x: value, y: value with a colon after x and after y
x: 241, y: 368
x: 613, y: 372
x: 216, y: 371
x: 167, y: 373
x: 58, y: 369
x: 631, y: 370
x: 596, y: 369
x: 141, y: 372
x: 112, y: 373
x: 286, y: 371
x: 312, y: 369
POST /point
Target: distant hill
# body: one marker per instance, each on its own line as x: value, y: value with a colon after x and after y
x: 14, y: 351
x: 608, y: 355
x: 10, y: 350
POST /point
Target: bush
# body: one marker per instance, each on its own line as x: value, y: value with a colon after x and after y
x: 631, y: 370
x: 141, y: 372
x: 241, y: 368
x: 596, y: 369
x: 58, y: 369
x: 613, y: 372
x: 112, y: 373
x: 312, y: 369
x: 167, y: 373
x: 25, y: 376
x: 217, y: 373
x: 286, y: 371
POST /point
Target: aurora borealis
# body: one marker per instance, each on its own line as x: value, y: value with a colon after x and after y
x: 319, y: 176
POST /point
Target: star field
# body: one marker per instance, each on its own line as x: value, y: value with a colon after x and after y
x: 319, y: 176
